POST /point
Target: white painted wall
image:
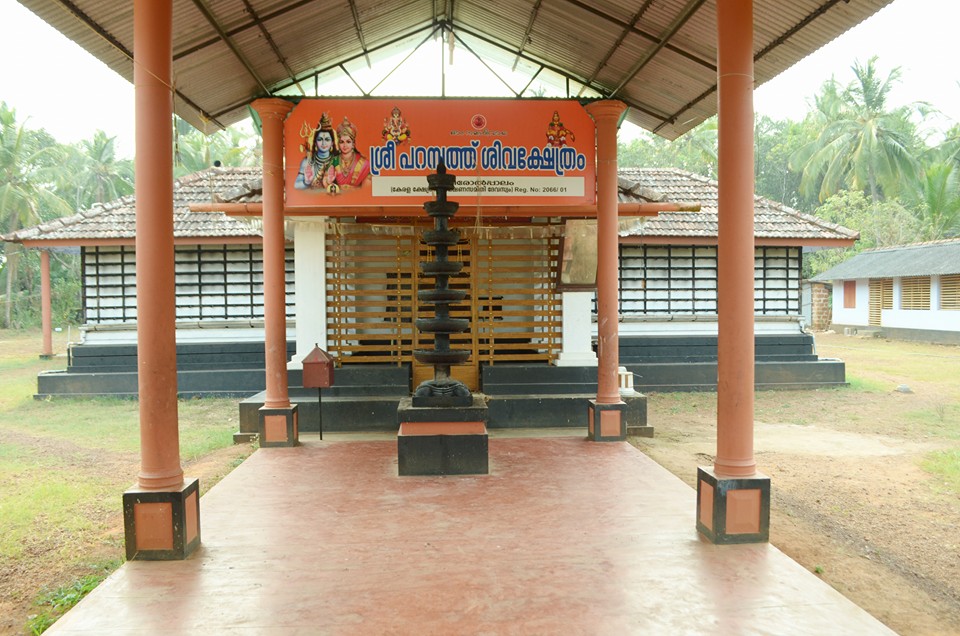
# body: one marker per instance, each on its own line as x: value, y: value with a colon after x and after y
x: 309, y: 257
x: 858, y: 316
x: 578, y: 331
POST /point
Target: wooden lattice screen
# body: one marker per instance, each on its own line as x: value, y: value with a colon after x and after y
x: 509, y: 275
x: 881, y: 297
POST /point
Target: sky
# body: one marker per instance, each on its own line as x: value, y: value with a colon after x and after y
x: 55, y: 85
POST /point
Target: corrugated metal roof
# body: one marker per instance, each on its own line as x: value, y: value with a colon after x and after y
x: 245, y: 49
x: 117, y: 219
x: 937, y: 258
x: 771, y: 219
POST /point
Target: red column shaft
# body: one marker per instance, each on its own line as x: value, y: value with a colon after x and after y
x: 156, y: 335
x: 273, y: 112
x: 46, y: 321
x: 735, y: 307
x: 607, y: 115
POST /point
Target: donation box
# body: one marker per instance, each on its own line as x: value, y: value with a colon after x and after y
x: 318, y: 369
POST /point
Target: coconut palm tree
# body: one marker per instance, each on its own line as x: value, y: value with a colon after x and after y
x: 29, y: 162
x: 193, y: 150
x: 863, y: 145
x: 937, y: 197
x: 98, y: 176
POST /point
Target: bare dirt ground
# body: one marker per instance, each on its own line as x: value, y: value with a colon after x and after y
x: 850, y: 500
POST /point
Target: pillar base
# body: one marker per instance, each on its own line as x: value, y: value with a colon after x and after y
x: 448, y: 440
x: 279, y: 427
x: 605, y: 422
x: 162, y: 525
x: 733, y: 509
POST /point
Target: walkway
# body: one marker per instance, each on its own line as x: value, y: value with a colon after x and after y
x: 564, y: 537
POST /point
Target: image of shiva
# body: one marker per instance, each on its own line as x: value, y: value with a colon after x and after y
x: 349, y: 169
x: 323, y: 154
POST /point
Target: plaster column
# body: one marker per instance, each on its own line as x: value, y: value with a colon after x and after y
x: 311, y: 298
x: 46, y: 321
x: 161, y: 513
x: 733, y: 499
x: 577, y: 350
x: 604, y: 422
x: 278, y: 420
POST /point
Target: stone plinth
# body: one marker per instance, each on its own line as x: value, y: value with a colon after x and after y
x: 733, y: 509
x: 162, y: 525
x: 442, y: 440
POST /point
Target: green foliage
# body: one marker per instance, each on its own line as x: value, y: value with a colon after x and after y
x: 61, y: 500
x: 29, y: 164
x: 936, y: 197
x: 56, y: 603
x: 193, y: 150
x: 694, y: 152
x: 113, y: 424
x: 881, y: 224
x: 775, y: 142
x: 865, y: 385
x: 41, y: 179
x: 941, y: 419
x: 945, y: 465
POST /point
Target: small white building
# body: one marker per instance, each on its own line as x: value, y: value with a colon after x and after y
x: 909, y: 292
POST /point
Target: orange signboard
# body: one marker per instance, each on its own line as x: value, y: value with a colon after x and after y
x: 377, y: 152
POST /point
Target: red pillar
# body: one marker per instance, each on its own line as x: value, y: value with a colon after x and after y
x: 46, y: 322
x: 733, y: 500
x: 156, y: 335
x: 278, y: 417
x: 162, y: 512
x: 735, y: 258
x: 605, y: 421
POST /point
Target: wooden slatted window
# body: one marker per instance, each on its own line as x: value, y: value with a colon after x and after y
x: 915, y: 293
x: 950, y: 292
x: 512, y: 302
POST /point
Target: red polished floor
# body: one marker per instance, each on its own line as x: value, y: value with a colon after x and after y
x: 564, y: 536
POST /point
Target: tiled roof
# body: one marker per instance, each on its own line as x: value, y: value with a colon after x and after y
x: 117, y: 219
x: 771, y: 219
x: 243, y: 185
x: 936, y: 258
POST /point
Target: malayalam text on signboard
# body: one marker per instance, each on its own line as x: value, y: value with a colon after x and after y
x: 377, y: 152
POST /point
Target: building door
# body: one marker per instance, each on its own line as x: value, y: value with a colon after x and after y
x: 881, y: 297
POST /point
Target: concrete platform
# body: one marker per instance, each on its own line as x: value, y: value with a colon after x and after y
x: 564, y: 536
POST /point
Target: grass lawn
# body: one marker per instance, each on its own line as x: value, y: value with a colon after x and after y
x: 64, y: 465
